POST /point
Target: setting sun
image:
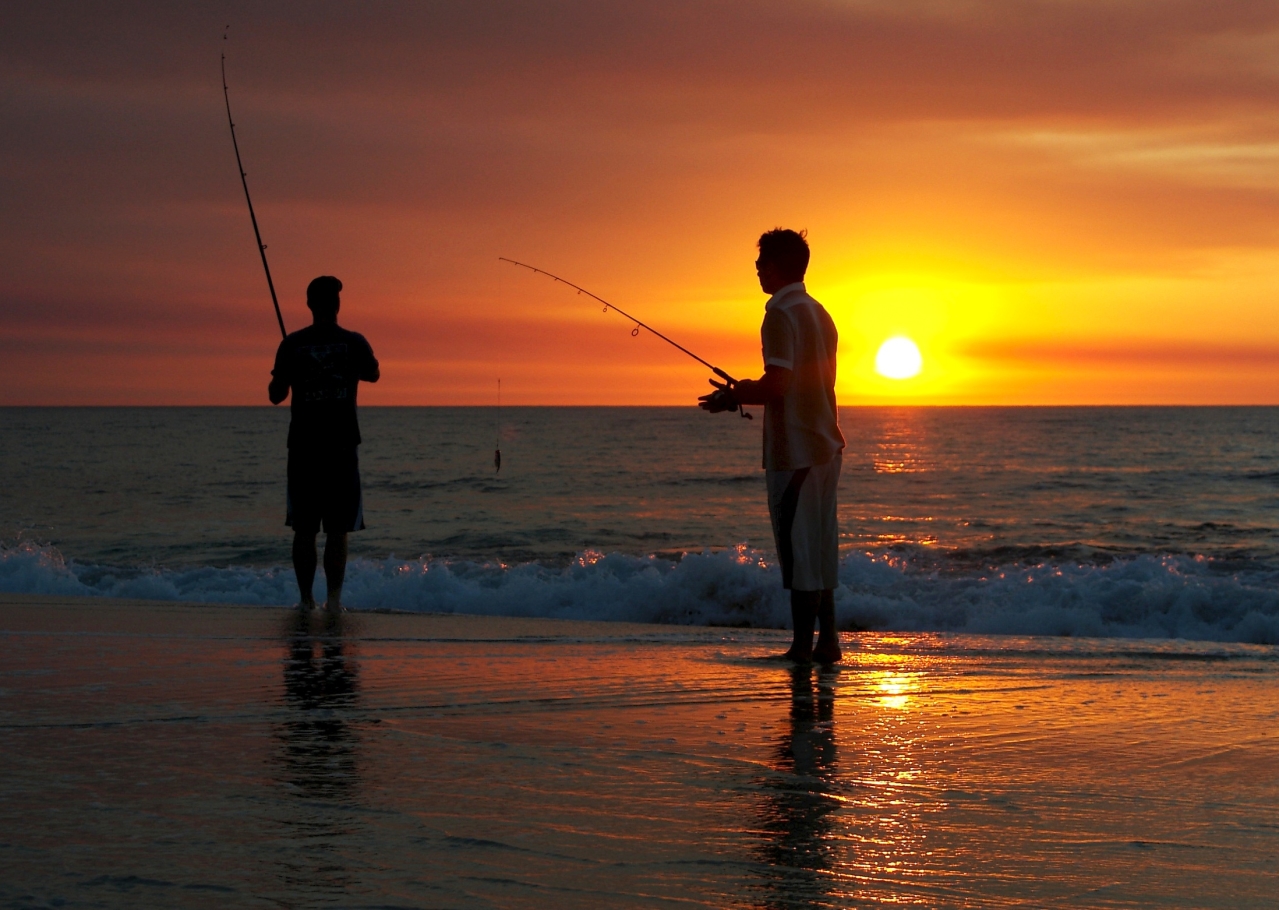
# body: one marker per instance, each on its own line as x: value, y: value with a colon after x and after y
x: 898, y: 358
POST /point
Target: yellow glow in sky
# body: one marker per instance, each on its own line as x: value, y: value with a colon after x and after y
x: 903, y: 336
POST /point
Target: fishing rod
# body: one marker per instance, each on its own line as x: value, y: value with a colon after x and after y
x: 245, y: 181
x: 638, y: 325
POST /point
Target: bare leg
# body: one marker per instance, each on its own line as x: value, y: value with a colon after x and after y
x: 803, y: 611
x: 827, y: 650
x: 304, y: 560
x: 334, y: 569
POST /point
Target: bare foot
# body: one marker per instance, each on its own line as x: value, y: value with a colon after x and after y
x: 306, y: 606
x: 828, y: 652
x: 332, y: 623
x: 334, y: 606
x: 798, y: 655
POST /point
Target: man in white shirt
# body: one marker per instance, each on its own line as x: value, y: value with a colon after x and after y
x: 803, y: 445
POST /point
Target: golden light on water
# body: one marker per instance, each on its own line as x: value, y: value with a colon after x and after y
x: 898, y: 358
x: 894, y: 689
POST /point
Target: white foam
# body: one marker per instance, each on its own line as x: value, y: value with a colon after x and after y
x: 1145, y: 596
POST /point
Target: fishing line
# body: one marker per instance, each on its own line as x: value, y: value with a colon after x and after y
x: 638, y: 325
x: 226, y: 95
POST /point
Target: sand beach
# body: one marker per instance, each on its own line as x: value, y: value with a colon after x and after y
x: 161, y: 754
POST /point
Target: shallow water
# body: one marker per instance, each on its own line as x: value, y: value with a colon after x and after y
x: 227, y: 758
x: 1082, y: 521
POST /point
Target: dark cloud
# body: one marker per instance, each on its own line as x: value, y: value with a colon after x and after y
x: 619, y: 60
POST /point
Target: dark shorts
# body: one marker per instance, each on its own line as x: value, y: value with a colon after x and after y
x: 324, y: 490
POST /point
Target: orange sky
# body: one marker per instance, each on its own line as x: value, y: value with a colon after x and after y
x: 1060, y: 202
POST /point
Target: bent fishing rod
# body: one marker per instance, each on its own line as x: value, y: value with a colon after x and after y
x: 244, y: 180
x: 638, y: 325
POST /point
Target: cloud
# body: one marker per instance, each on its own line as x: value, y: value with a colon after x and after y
x: 1214, y: 154
x: 639, y: 146
x: 626, y: 61
x: 1134, y: 352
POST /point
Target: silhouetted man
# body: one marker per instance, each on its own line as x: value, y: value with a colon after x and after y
x: 323, y: 364
x: 803, y: 447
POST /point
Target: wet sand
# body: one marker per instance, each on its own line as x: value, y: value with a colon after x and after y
x: 189, y: 755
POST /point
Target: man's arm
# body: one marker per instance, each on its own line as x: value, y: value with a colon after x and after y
x: 771, y: 386
x: 777, y: 342
x: 369, y: 369
x: 278, y: 390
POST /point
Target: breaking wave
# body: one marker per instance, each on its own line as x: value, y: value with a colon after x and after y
x: 1140, y: 596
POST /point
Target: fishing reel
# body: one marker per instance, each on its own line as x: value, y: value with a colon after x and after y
x: 723, y: 399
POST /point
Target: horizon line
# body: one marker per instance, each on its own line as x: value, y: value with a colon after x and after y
x: 284, y: 408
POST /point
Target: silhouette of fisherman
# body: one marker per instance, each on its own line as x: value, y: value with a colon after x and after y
x: 803, y: 446
x: 323, y: 364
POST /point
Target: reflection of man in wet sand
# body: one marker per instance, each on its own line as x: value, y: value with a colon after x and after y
x: 318, y: 739
x: 320, y: 760
x: 323, y: 364
x: 798, y: 826
x: 802, y: 442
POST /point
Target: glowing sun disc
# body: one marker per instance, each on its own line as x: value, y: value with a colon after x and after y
x: 898, y: 358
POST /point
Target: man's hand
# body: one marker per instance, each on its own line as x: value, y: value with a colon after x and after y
x: 277, y: 391
x: 722, y: 399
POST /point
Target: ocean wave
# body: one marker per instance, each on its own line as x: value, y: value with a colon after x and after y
x: 1141, y: 596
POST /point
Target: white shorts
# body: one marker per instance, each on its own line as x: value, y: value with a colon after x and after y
x: 805, y: 520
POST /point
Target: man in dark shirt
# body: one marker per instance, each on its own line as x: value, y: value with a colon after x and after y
x: 323, y: 364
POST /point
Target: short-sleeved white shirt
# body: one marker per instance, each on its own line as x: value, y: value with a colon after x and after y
x: 802, y: 428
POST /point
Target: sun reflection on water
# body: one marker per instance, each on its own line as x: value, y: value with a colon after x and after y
x: 901, y: 445
x: 896, y: 688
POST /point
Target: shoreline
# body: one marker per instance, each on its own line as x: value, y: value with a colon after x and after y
x: 24, y: 612
x: 74, y: 614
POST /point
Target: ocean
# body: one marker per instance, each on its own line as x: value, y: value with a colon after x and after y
x: 1063, y: 694
x: 1098, y: 522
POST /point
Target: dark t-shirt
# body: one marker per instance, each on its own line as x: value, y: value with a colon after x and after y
x: 323, y: 364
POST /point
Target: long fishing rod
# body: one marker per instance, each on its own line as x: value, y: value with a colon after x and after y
x: 638, y: 325
x: 245, y: 181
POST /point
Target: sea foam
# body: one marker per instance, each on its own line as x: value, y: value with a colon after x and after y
x: 1143, y: 596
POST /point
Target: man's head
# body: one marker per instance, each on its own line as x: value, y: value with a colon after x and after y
x: 322, y: 298
x: 783, y: 259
